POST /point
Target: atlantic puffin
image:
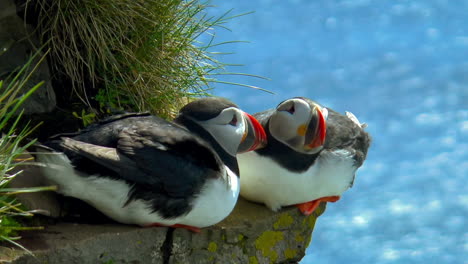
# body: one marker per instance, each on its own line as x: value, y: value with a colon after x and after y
x: 312, y: 156
x: 140, y: 169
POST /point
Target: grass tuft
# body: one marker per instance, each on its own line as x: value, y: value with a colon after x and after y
x: 12, y: 146
x: 133, y: 54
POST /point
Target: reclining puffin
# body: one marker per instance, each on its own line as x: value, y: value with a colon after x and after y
x: 140, y: 169
x: 312, y: 156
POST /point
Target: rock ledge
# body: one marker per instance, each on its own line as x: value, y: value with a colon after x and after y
x: 251, y: 234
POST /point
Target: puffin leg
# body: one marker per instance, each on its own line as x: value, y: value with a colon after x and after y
x: 191, y: 228
x: 309, y: 207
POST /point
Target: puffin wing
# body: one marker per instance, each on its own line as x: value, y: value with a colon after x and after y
x: 104, y: 129
x: 173, y: 158
x: 79, y: 151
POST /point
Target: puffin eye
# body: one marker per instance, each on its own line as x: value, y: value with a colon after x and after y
x: 291, y: 109
x: 233, y: 121
x: 287, y: 106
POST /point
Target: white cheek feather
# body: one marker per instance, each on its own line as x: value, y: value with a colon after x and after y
x: 109, y: 196
x: 264, y: 181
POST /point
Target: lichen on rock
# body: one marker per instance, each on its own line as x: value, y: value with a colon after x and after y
x: 285, y: 220
x: 212, y: 247
x: 266, y: 244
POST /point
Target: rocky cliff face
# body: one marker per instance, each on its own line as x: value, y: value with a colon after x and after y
x: 17, y: 45
x: 251, y: 234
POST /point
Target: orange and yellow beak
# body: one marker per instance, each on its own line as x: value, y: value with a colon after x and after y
x: 315, y: 131
x: 254, y: 137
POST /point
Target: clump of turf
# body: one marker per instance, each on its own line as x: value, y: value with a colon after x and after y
x: 131, y: 54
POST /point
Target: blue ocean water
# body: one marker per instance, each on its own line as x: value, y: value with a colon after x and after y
x: 401, y: 66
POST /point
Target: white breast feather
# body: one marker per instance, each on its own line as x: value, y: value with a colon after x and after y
x: 213, y: 204
x: 262, y: 180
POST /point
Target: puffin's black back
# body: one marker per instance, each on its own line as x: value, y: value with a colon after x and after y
x: 105, y: 132
x: 158, y: 150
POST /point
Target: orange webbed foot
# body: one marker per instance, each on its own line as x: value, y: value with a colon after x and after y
x: 309, y: 207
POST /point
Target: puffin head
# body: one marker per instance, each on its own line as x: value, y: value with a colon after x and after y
x: 299, y: 123
x: 233, y: 129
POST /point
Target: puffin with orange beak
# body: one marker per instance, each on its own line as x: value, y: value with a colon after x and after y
x: 140, y: 169
x: 312, y: 156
